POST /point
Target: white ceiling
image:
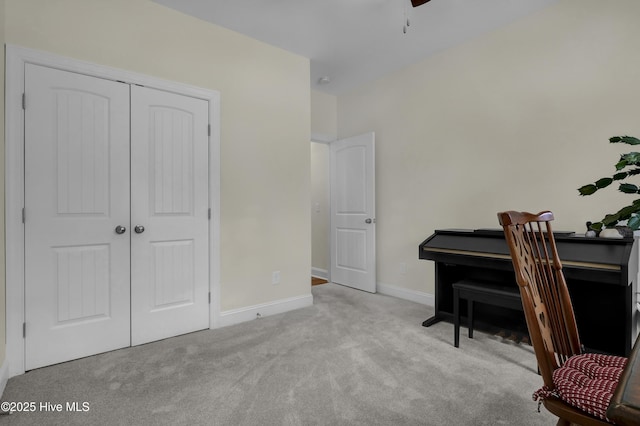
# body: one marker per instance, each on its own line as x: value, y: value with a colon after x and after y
x: 356, y: 41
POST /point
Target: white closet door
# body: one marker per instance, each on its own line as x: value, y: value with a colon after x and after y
x: 77, y: 300
x: 169, y: 213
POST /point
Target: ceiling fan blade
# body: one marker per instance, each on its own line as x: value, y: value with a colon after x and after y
x: 417, y: 3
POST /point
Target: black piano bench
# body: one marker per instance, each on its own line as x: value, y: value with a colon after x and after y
x: 483, y: 292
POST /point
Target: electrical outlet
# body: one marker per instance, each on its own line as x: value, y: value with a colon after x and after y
x: 275, y: 277
x: 403, y: 268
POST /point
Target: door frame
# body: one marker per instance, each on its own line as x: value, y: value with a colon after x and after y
x: 16, y: 58
x: 326, y: 140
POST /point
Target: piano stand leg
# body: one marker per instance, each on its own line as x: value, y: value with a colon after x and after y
x: 430, y: 321
x: 456, y: 317
x: 470, y: 317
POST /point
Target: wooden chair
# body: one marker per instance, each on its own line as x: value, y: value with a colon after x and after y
x: 552, y: 326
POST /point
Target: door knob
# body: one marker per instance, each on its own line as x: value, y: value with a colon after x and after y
x: 368, y: 220
x: 120, y: 229
x: 139, y: 229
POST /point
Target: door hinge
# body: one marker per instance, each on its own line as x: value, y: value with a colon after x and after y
x: 209, y: 214
x: 24, y: 215
x: 209, y: 129
x: 24, y: 101
x: 24, y: 330
x: 209, y: 297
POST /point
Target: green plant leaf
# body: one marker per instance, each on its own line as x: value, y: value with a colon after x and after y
x: 587, y: 189
x: 633, y: 172
x: 603, y: 183
x: 610, y: 219
x: 626, y: 212
x: 621, y: 165
x: 629, y: 140
x: 628, y: 188
x: 621, y: 175
x: 631, y: 158
x: 634, y: 222
x: 596, y: 226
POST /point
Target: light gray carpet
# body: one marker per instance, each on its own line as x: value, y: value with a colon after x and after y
x: 351, y: 359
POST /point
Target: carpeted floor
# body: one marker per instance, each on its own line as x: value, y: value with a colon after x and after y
x: 352, y: 358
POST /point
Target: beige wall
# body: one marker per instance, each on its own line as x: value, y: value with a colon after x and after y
x: 2, y: 249
x: 324, y: 115
x: 515, y: 119
x: 265, y: 104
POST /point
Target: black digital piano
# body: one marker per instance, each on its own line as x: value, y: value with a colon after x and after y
x: 601, y: 275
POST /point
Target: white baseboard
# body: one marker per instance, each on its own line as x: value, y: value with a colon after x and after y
x: 236, y: 316
x: 406, y: 294
x: 320, y: 273
x: 4, y: 375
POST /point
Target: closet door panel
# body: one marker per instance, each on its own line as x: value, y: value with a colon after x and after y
x: 77, y: 299
x: 170, y: 202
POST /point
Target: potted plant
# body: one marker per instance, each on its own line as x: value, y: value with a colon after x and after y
x: 627, y: 166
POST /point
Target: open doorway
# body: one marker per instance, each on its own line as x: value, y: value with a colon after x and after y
x: 343, y: 211
x: 320, y: 244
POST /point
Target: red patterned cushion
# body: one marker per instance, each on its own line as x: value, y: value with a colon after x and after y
x: 586, y: 382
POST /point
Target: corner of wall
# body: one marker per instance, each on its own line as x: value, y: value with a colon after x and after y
x: 324, y: 116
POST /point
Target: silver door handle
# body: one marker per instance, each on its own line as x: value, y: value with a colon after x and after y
x: 139, y: 229
x: 120, y: 229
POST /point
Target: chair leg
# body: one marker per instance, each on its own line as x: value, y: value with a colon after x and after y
x: 470, y: 316
x: 456, y: 317
x: 563, y: 422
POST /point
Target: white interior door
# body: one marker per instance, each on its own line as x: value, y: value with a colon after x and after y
x: 169, y: 213
x: 353, y: 227
x: 76, y: 194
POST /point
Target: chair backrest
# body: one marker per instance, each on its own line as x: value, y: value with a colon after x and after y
x: 545, y: 297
